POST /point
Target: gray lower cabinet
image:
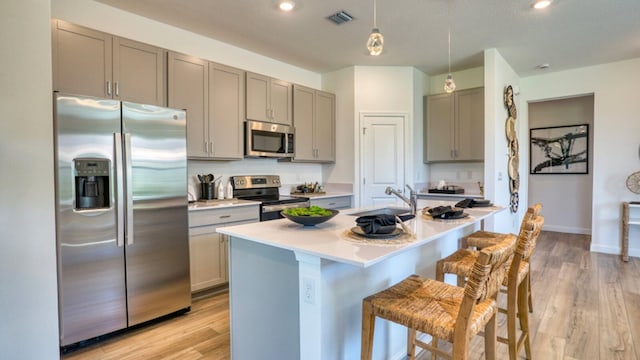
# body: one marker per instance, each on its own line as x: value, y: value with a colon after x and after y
x: 268, y: 99
x: 454, y: 126
x: 208, y: 250
x: 93, y: 63
x: 213, y: 95
x: 336, y: 203
x: 314, y: 121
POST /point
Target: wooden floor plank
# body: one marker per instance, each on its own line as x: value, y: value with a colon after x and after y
x: 579, y: 297
x: 615, y: 331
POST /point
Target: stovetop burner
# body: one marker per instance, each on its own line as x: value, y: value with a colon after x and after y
x: 265, y: 188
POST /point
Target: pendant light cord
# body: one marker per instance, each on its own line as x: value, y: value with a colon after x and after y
x: 449, y: 33
x: 449, y: 51
x: 375, y: 25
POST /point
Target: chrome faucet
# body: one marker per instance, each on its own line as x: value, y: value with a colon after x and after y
x: 412, y: 201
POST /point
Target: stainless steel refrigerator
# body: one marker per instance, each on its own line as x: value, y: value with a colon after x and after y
x: 121, y: 221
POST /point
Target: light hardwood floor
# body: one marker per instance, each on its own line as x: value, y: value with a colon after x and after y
x: 586, y: 306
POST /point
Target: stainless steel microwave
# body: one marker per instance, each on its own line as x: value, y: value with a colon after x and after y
x: 264, y: 139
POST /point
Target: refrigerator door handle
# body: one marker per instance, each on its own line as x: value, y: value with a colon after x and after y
x: 129, y: 187
x: 117, y: 139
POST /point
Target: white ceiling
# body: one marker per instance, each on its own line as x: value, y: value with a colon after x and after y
x: 569, y: 34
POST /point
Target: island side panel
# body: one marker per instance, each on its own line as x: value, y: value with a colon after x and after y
x: 340, y: 289
x: 263, y: 299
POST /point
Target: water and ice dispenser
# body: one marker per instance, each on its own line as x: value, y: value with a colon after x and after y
x: 92, y: 183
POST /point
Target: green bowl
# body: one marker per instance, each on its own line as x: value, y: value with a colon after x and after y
x: 310, y: 220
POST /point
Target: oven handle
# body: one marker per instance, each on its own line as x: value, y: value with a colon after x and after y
x: 280, y: 207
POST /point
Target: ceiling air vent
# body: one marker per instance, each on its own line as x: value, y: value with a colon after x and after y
x: 340, y: 17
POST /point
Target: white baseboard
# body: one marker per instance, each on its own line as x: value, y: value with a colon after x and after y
x: 566, y: 229
x: 615, y: 250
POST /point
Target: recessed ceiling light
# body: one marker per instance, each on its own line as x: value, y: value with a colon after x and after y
x: 287, y: 5
x: 541, y: 4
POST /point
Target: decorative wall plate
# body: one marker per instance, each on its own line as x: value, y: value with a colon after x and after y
x: 633, y: 182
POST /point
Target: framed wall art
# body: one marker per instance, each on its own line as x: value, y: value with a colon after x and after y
x: 559, y: 150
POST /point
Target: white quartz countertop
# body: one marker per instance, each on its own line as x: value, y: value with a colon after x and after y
x: 221, y: 203
x: 330, y: 241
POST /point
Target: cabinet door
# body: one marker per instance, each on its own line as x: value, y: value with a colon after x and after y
x: 81, y: 60
x: 280, y: 96
x: 226, y: 111
x: 257, y: 99
x: 324, y: 126
x: 207, y: 251
x: 336, y: 203
x: 439, y: 128
x: 469, y: 111
x: 303, y: 112
x: 188, y: 89
x: 138, y: 72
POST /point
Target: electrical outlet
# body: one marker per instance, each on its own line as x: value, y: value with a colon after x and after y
x: 499, y: 175
x: 309, y: 290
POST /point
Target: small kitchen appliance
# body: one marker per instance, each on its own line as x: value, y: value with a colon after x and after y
x: 268, y: 140
x: 265, y: 188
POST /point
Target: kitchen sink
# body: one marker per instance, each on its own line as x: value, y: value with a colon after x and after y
x: 383, y: 211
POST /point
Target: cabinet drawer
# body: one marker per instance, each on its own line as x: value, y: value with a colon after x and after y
x: 223, y: 216
x: 341, y: 202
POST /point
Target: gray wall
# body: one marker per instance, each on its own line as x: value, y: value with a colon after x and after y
x: 566, y: 199
x: 28, y: 299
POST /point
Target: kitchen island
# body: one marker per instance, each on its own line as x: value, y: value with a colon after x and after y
x: 296, y: 292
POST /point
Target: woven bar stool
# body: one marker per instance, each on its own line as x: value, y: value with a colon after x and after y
x: 515, y: 283
x: 442, y: 310
x: 481, y: 239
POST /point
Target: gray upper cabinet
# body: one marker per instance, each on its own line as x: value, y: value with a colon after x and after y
x: 314, y: 121
x: 189, y: 89
x: 213, y: 96
x: 138, y: 72
x: 454, y: 129
x: 90, y: 62
x: 226, y: 111
x: 324, y: 127
x: 303, y: 112
x: 268, y: 99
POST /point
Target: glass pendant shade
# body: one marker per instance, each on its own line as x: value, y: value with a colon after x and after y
x: 375, y: 42
x: 449, y: 84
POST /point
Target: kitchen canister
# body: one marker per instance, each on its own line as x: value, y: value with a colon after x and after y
x: 207, y: 190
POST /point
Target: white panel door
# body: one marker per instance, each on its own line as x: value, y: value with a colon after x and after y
x: 382, y: 154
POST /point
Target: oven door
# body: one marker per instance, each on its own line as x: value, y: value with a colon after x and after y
x: 272, y: 212
x: 268, y: 140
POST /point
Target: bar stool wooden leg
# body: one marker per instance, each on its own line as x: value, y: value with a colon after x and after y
x: 523, y: 316
x: 368, y: 325
x: 490, y: 340
x: 512, y: 301
x: 529, y: 293
x: 434, y: 344
x: 411, y: 348
x: 439, y: 277
x: 440, y: 271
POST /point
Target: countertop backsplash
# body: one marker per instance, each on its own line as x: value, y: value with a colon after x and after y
x: 290, y: 173
x: 465, y: 175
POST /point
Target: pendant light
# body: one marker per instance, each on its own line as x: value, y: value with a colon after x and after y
x: 375, y: 42
x: 449, y: 84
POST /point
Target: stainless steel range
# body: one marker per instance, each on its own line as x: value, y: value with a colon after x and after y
x: 265, y: 188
